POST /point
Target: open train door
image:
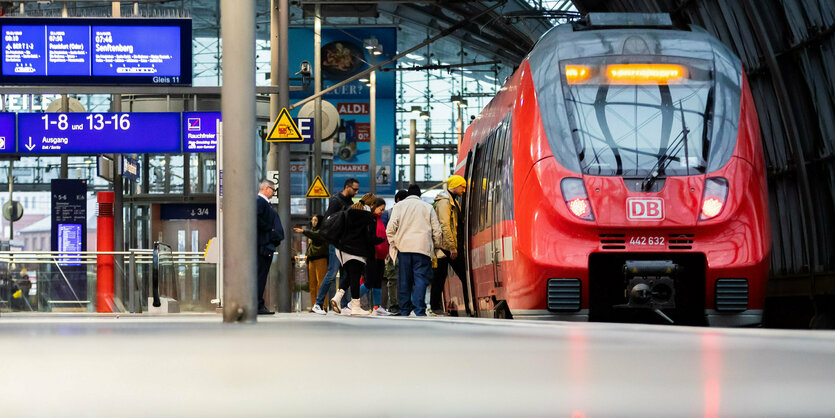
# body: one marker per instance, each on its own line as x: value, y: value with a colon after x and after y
x: 465, y: 211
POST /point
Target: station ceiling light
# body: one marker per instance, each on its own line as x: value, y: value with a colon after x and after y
x: 378, y: 50
x: 370, y: 43
x: 424, y: 114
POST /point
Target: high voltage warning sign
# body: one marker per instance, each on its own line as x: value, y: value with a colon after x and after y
x: 317, y: 189
x: 284, y: 129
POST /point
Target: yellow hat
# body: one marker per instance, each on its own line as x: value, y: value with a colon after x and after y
x: 455, y: 180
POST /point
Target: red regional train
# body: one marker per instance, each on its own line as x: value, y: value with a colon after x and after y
x: 618, y: 175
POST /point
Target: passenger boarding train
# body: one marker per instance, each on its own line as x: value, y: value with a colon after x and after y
x: 618, y: 175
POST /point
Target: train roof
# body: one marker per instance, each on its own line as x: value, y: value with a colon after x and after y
x: 601, y: 34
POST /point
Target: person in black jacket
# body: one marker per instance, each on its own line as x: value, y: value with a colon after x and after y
x: 354, y: 249
x: 270, y: 233
x: 340, y: 201
x: 317, y: 260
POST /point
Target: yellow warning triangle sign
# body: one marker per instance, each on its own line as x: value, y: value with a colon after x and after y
x: 284, y: 129
x: 317, y: 189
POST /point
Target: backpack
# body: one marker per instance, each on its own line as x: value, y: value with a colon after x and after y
x: 333, y: 227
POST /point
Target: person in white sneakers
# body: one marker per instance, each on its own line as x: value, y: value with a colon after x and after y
x: 354, y: 248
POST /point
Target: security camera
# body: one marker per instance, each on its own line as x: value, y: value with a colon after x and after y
x: 304, y: 69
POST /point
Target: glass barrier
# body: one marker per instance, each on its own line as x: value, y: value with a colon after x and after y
x: 51, y: 281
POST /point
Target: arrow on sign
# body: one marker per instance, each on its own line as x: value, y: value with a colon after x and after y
x: 30, y: 145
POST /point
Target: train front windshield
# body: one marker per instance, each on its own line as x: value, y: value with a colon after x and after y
x: 635, y: 116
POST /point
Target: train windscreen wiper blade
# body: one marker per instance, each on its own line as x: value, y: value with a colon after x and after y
x: 666, y: 158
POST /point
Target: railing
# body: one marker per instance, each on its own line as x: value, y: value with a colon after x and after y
x: 66, y: 280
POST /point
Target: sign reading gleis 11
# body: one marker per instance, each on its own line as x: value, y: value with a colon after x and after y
x: 95, y: 133
x: 95, y: 51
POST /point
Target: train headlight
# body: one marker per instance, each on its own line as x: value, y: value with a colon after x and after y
x: 576, y: 198
x: 713, y: 199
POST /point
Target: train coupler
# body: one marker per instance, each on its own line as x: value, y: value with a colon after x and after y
x: 650, y: 284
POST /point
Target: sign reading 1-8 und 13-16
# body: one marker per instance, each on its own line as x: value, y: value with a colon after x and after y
x: 93, y: 133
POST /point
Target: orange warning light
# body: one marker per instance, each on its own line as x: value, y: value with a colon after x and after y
x: 576, y: 73
x: 645, y: 73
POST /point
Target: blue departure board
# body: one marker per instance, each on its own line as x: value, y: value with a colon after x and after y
x: 7, y: 132
x: 98, y: 133
x: 95, y: 51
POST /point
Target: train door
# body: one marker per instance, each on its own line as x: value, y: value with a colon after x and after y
x: 475, y: 221
x: 464, y: 222
x: 496, y: 192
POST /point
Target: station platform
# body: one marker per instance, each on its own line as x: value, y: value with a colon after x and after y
x: 310, y: 365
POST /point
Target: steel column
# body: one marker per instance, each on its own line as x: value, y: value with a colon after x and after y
x: 372, y: 159
x: 238, y: 107
x: 412, y: 146
x: 284, y: 270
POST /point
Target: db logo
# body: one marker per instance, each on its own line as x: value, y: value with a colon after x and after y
x: 645, y: 209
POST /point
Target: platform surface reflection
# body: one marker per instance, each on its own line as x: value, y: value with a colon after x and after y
x: 303, y: 364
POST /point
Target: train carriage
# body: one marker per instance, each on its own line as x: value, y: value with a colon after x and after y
x: 618, y: 175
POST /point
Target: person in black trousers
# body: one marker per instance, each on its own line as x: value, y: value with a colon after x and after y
x: 354, y: 249
x: 270, y: 234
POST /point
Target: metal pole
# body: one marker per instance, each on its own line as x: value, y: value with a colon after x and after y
x: 273, y: 155
x: 372, y: 159
x: 132, y: 283
x: 317, y: 87
x: 238, y: 107
x: 64, y: 171
x: 11, y: 200
x: 118, y: 201
x: 412, y: 140
x: 284, y: 161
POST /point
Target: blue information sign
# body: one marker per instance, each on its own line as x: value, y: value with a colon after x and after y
x: 69, y: 240
x: 95, y: 51
x: 96, y: 133
x: 200, y: 131
x: 69, y: 233
x: 187, y: 211
x: 7, y: 132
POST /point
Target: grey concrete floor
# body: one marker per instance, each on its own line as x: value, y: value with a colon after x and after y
x: 308, y: 365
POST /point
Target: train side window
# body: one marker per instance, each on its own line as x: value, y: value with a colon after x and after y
x: 487, y: 183
x: 476, y: 213
x: 506, y: 180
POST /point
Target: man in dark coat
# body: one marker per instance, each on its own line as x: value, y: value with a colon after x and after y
x: 270, y: 234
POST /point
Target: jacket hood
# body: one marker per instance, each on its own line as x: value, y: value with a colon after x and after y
x: 442, y: 195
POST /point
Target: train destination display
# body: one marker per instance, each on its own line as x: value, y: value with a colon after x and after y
x: 95, y: 51
x: 93, y: 133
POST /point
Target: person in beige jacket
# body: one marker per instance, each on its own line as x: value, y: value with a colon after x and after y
x: 413, y: 232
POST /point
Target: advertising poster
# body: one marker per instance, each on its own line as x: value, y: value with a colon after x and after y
x: 344, y: 55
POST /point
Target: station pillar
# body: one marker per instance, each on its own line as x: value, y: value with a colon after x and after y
x: 104, y: 242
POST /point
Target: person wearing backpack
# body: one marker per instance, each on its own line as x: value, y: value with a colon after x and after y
x: 339, y: 202
x: 354, y: 249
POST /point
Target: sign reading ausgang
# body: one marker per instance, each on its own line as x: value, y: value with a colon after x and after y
x: 93, y: 133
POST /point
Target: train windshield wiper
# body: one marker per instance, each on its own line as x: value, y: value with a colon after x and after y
x: 666, y: 158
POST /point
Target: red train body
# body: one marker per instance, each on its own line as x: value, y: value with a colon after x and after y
x: 618, y: 175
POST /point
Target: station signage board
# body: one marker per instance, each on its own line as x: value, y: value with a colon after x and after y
x: 95, y: 133
x: 7, y: 133
x: 95, y: 51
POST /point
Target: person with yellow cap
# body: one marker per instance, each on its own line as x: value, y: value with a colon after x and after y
x: 452, y: 239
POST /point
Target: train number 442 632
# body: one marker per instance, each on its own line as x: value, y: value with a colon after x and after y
x: 646, y: 241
